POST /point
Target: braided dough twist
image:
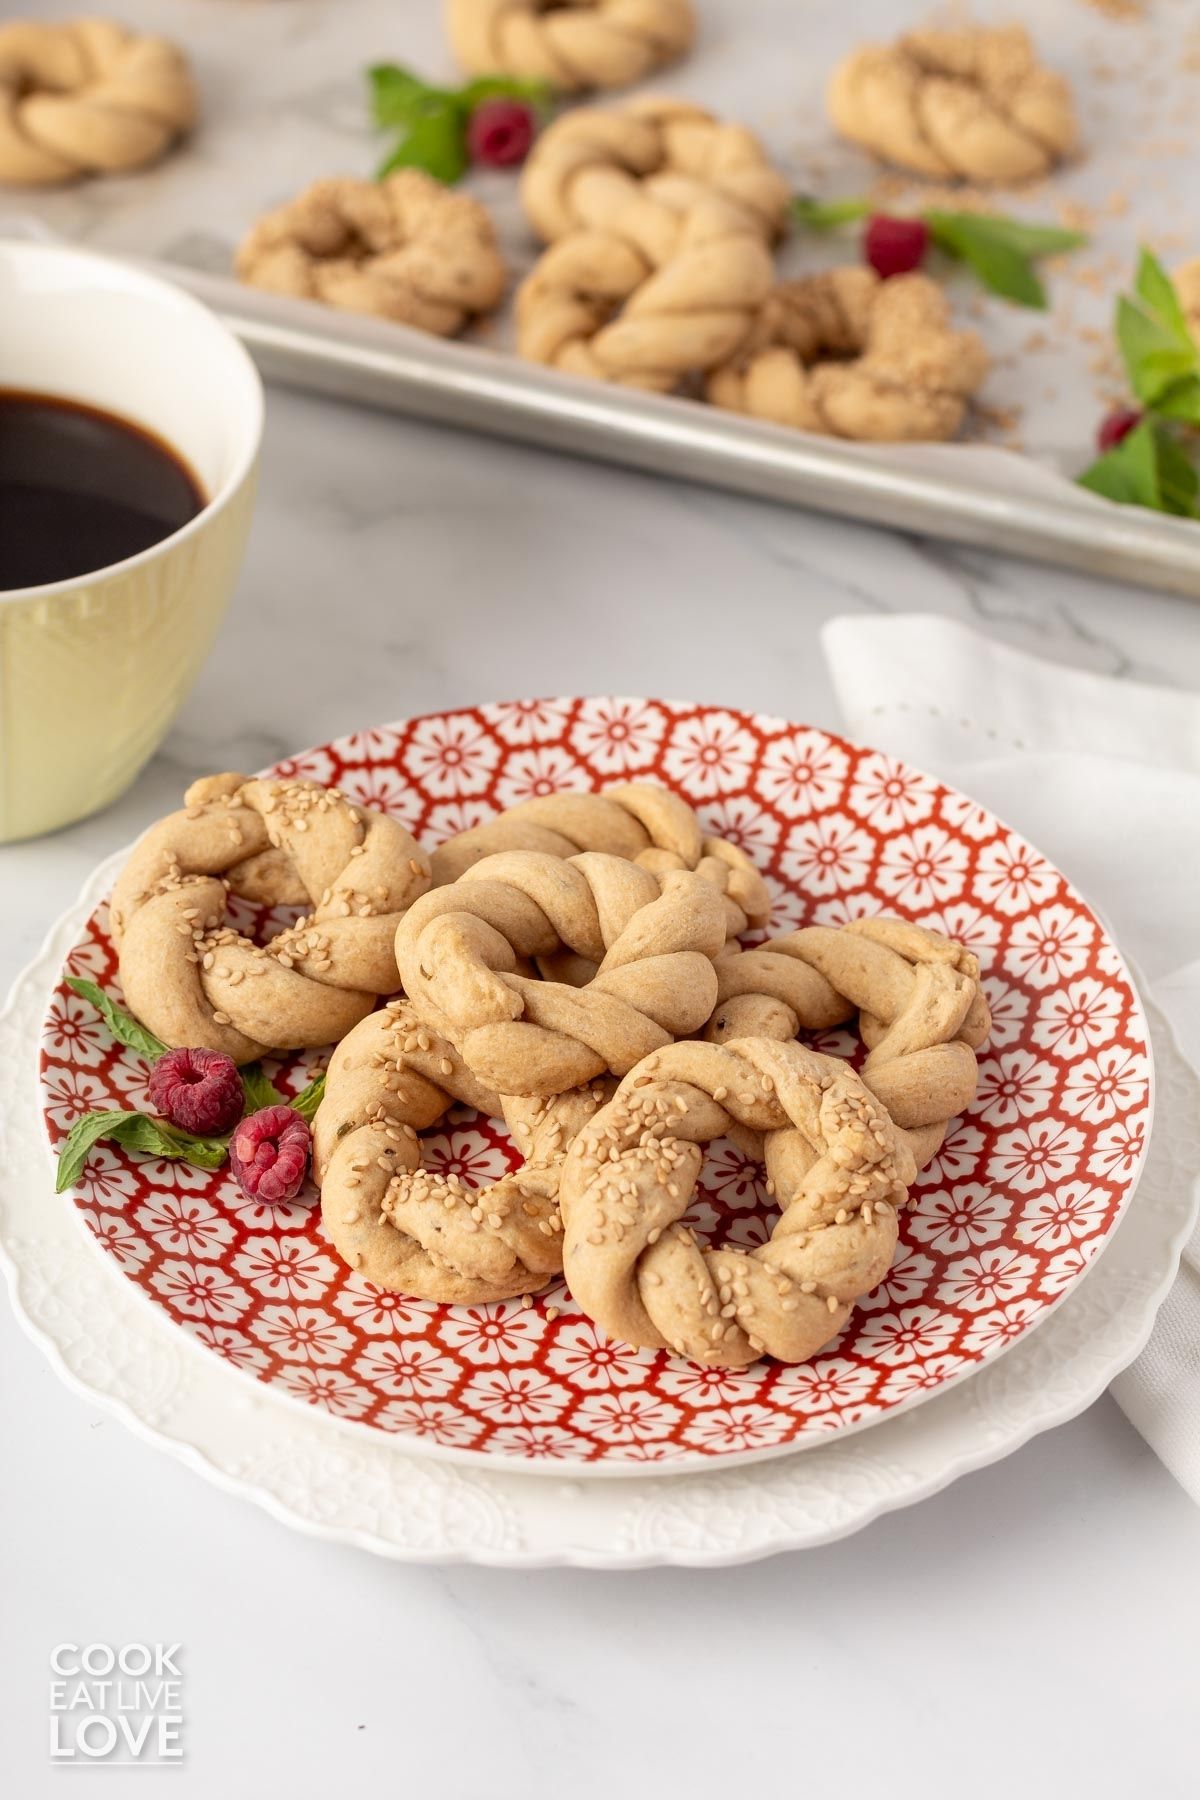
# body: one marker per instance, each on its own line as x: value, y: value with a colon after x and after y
x: 87, y: 97
x: 192, y: 980
x: 632, y: 169
x: 643, y: 823
x: 409, y: 1229
x: 638, y: 965
x: 973, y: 103
x: 834, y: 1160
x: 646, y: 309
x: 583, y: 44
x: 405, y: 248
x: 847, y: 354
x: 922, y: 1012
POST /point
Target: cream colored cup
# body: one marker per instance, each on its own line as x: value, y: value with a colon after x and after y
x: 93, y: 669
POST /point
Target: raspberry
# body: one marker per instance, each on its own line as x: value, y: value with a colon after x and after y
x: 198, y: 1090
x: 895, y: 246
x: 269, y: 1154
x: 1117, y: 426
x: 500, y: 132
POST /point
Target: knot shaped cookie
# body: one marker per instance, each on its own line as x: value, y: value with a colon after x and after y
x: 835, y: 1163
x: 647, y: 308
x: 404, y: 248
x: 638, y: 965
x: 641, y: 822
x: 922, y: 1011
x: 633, y: 168
x: 847, y: 354
x: 193, y: 980
x: 87, y: 97
x: 973, y: 103
x: 414, y: 1230
x: 571, y: 44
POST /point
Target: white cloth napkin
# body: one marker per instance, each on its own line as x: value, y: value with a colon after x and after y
x: 1103, y: 776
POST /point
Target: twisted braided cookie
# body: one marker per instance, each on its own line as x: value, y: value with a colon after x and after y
x: 87, y: 97
x: 641, y: 822
x: 845, y: 353
x: 584, y: 44
x: 922, y: 1011
x: 646, y: 311
x: 633, y: 168
x: 192, y: 980
x: 639, y: 960
x: 834, y: 1160
x: 405, y: 248
x: 972, y: 103
x: 412, y: 1230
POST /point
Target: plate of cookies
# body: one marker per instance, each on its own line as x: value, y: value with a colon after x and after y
x: 603, y: 1086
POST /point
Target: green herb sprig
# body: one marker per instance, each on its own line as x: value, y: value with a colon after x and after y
x: 1001, y: 252
x: 137, y: 1131
x: 431, y: 122
x: 1147, y: 468
x: 142, y: 1131
x: 1161, y: 357
x: 1152, y: 466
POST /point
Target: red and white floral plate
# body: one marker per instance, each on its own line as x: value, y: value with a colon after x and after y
x: 1023, y: 1196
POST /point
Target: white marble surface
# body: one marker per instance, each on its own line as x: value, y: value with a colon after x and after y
x: 1030, y: 1630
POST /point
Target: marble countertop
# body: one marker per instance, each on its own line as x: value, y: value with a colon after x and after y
x: 1024, y: 1630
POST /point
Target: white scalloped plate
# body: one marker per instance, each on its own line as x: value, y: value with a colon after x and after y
x: 301, y: 1466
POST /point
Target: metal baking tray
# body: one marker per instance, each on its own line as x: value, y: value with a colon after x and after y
x: 1022, y: 509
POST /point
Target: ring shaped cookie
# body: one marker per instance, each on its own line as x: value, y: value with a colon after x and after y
x: 921, y: 1011
x: 647, y: 309
x: 973, y: 104
x: 636, y: 949
x: 406, y: 249
x: 835, y: 1162
x: 633, y: 168
x: 87, y: 97
x: 585, y: 44
x: 847, y: 354
x: 191, y: 979
x: 640, y: 821
x: 414, y: 1230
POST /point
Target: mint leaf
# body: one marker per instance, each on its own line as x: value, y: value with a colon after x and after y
x: 396, y: 94
x: 136, y: 1131
x: 258, y: 1090
x: 141, y: 1132
x: 85, y: 1132
x: 1147, y: 468
x: 1181, y: 401
x: 122, y: 1024
x: 537, y: 94
x: 1154, y: 355
x: 435, y: 140
x: 1161, y: 356
x: 1000, y: 265
x: 1027, y: 240
x: 1177, y: 479
x: 309, y: 1098
x: 1156, y: 289
x: 824, y: 215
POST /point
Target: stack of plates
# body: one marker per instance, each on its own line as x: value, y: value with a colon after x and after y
x: 232, y: 1336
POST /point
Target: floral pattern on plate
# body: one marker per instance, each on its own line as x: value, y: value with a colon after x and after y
x: 1007, y: 1218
